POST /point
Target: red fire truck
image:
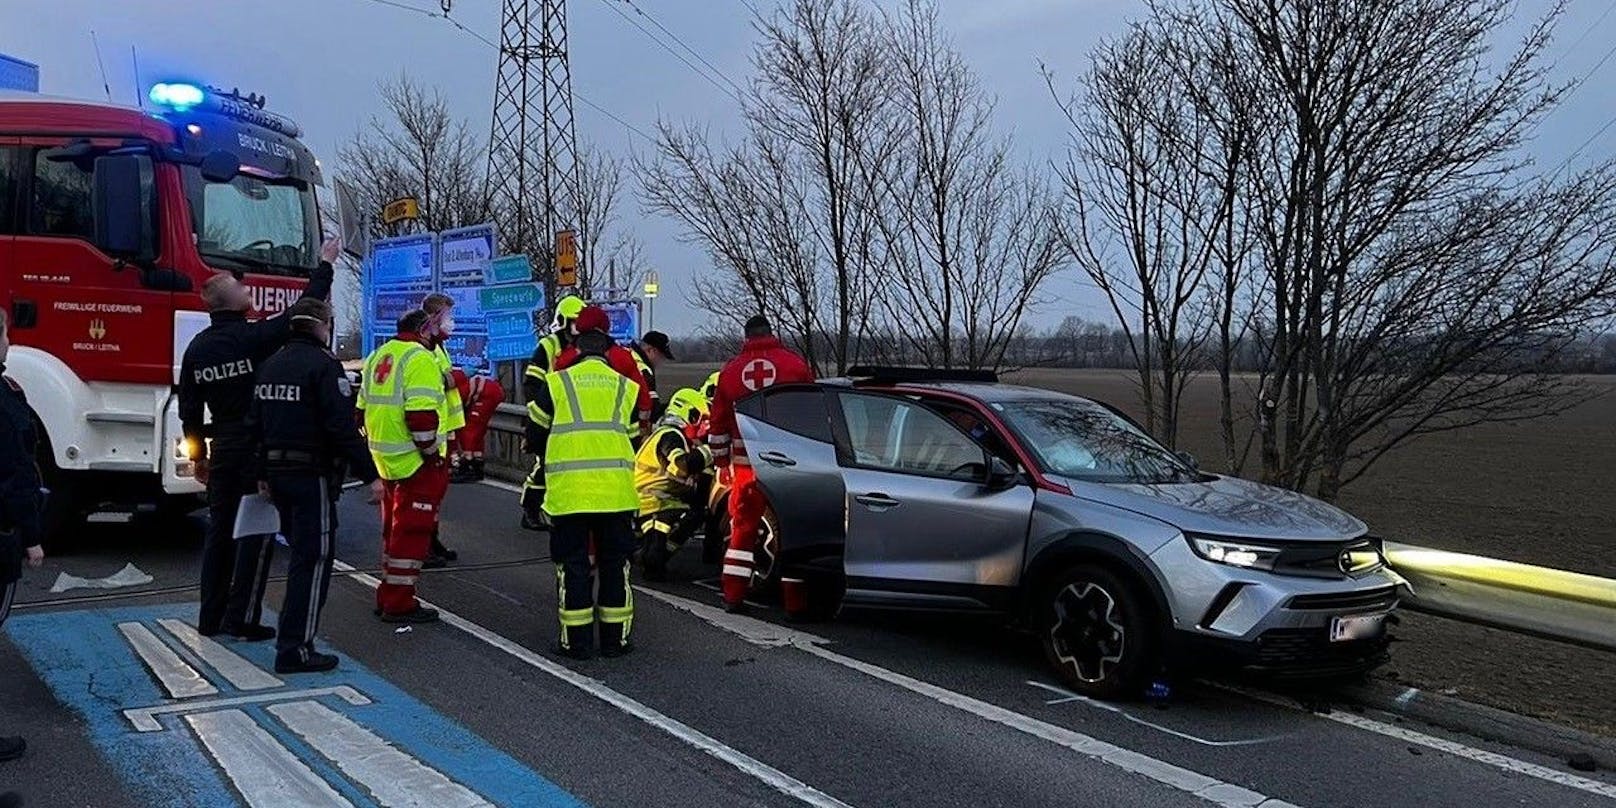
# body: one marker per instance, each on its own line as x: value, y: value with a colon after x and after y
x: 111, y: 218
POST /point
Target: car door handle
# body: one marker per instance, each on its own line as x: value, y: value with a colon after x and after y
x: 777, y: 459
x: 876, y: 501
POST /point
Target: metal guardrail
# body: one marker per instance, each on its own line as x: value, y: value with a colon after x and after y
x: 1554, y: 604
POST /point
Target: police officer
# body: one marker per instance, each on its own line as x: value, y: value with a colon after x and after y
x: 216, y: 376
x: 20, y: 501
x: 308, y: 443
x: 583, y: 416
x: 544, y: 360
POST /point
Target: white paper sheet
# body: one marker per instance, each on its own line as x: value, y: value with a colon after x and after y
x: 257, y: 517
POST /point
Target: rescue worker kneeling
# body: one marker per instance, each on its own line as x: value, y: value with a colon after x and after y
x: 668, y: 471
x: 583, y: 417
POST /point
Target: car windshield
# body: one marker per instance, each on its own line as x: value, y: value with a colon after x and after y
x: 253, y: 224
x: 1086, y: 441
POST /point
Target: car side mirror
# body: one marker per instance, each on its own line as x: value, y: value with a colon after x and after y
x: 124, y: 226
x: 1001, y: 475
x: 1189, y: 460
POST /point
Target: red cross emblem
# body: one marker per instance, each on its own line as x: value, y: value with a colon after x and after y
x: 384, y: 369
x: 759, y: 374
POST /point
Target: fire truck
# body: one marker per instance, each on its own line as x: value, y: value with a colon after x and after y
x: 111, y: 219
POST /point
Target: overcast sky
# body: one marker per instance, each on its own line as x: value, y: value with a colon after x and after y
x: 318, y: 61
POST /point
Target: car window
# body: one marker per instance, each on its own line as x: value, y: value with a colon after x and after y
x: 8, y: 187
x: 1087, y: 441
x: 799, y: 411
x: 904, y: 436
x: 61, y: 204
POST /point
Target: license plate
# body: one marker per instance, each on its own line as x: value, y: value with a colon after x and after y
x: 1357, y: 627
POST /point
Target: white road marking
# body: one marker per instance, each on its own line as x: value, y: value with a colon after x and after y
x: 1068, y: 697
x: 770, y: 776
x: 179, y: 679
x: 760, y: 632
x: 1455, y: 748
x: 229, y: 664
x: 392, y: 777
x: 266, y: 773
x: 144, y: 719
x: 503, y: 486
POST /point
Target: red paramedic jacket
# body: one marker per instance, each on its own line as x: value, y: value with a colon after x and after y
x: 763, y: 362
x: 623, y: 362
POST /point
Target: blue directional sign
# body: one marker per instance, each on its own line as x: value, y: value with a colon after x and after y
x: 509, y: 349
x: 398, y: 273
x: 469, y: 351
x: 510, y: 269
x: 463, y: 258
x: 516, y: 297
x: 625, y: 319
x: 186, y: 720
x: 510, y: 324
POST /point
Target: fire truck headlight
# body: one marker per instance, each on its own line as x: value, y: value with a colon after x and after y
x: 176, y: 95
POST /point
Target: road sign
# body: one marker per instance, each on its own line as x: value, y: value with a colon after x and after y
x: 566, y: 258
x: 510, y: 269
x: 505, y: 325
x: 516, y: 297
x: 469, y: 352
x: 506, y: 349
x: 16, y: 74
x: 625, y: 320
x: 349, y: 220
x: 398, y: 274
x: 401, y: 209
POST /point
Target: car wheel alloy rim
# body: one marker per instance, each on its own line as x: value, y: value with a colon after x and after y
x: 768, y: 549
x: 1087, y: 635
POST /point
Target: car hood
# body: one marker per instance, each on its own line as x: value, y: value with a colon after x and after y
x: 1228, y: 506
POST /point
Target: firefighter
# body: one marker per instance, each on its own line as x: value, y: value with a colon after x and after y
x: 308, y: 444
x: 402, y: 396
x: 763, y: 362
x: 440, y: 325
x: 544, y: 356
x: 594, y: 318
x: 216, y: 377
x: 583, y: 417
x: 668, y: 470
x: 649, y: 353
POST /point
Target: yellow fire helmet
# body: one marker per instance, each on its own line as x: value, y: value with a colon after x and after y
x: 709, y: 388
x: 567, y: 310
x: 688, y: 405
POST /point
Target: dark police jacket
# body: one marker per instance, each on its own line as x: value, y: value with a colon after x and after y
x: 218, y: 369
x: 20, y: 495
x: 303, y: 415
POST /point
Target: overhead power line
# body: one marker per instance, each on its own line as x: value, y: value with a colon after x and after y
x: 631, y: 128
x: 733, y: 90
x: 683, y: 44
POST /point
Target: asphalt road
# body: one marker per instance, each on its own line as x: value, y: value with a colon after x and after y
x: 874, y: 709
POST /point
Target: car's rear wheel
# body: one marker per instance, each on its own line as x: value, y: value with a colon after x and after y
x: 1098, y: 632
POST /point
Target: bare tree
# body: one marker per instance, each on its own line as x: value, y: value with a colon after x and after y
x: 966, y: 238
x: 1415, y: 274
x: 1148, y: 208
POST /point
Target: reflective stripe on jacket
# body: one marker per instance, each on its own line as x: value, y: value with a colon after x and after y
x: 588, y: 459
x: 400, y: 377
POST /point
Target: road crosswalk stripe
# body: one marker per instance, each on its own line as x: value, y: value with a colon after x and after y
x: 231, y: 666
x: 264, y: 772
x: 177, y: 677
x: 394, y: 778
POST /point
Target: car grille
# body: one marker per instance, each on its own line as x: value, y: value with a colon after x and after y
x: 1309, y: 653
x: 1322, y: 560
x: 1381, y: 599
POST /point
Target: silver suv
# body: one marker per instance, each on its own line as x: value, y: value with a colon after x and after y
x: 901, y: 489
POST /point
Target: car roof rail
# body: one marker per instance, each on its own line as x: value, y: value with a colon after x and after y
x: 882, y: 374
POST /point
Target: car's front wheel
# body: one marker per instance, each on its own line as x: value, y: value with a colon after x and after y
x: 1098, y: 632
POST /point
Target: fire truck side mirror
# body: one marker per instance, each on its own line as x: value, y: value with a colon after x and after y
x: 124, y: 198
x: 220, y: 166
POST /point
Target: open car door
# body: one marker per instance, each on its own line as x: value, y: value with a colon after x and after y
x: 788, y: 440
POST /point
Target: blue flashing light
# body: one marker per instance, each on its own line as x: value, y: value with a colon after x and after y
x: 176, y: 95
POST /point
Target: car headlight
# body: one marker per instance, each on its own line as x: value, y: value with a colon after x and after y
x: 1235, y: 553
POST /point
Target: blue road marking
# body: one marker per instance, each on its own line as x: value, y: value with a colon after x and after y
x: 92, y: 669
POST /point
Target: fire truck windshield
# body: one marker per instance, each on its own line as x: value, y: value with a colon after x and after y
x: 253, y: 224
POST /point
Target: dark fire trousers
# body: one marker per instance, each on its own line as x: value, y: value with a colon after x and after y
x: 569, y: 547
x: 233, y: 572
